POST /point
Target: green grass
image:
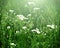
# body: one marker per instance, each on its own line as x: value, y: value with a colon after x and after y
x: 37, y: 28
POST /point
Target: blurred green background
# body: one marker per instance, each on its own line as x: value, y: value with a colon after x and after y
x: 29, y: 23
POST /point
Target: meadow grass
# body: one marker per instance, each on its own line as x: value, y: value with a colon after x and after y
x: 29, y: 24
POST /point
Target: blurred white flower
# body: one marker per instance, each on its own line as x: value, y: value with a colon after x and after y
x: 22, y: 17
x: 36, y: 30
x: 31, y: 3
x: 12, y: 44
x: 33, y: 30
x: 36, y: 8
x: 17, y: 31
x: 11, y: 11
x: 51, y: 26
x: 24, y: 27
x: 29, y: 15
x: 8, y: 27
x: 26, y: 5
x: 45, y: 34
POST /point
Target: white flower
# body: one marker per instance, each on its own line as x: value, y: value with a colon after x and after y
x: 8, y: 27
x: 36, y: 30
x: 33, y: 30
x: 26, y: 5
x: 17, y: 31
x: 45, y: 34
x: 24, y: 27
x: 31, y: 3
x: 12, y: 44
x: 22, y: 17
x: 36, y: 8
x: 29, y: 15
x: 51, y: 26
x: 11, y: 11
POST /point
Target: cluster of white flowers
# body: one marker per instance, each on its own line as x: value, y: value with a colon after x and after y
x: 21, y: 17
x: 24, y: 27
x: 51, y: 26
x: 8, y: 27
x: 31, y: 3
x: 12, y: 44
x: 36, y: 30
x: 11, y: 11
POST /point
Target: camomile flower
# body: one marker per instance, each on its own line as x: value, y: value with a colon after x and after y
x: 45, y: 34
x: 12, y: 44
x: 24, y: 27
x: 36, y: 30
x: 36, y: 8
x: 31, y: 3
x: 51, y: 26
x: 29, y: 15
x: 11, y: 11
x: 8, y: 27
x: 26, y: 5
x: 21, y: 17
x: 17, y: 31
